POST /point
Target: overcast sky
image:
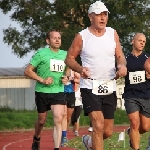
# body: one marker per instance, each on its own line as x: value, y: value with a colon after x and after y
x: 7, y: 58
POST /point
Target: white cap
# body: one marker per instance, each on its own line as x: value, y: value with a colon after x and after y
x: 97, y: 7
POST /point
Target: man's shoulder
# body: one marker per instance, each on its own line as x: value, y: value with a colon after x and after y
x: 85, y: 34
x: 128, y: 54
x: 110, y: 28
x: 39, y: 53
x: 110, y: 31
x: 84, y: 30
x: 146, y: 54
x: 63, y: 52
x: 42, y: 50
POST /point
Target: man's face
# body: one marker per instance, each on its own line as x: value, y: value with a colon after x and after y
x: 139, y: 42
x: 99, y: 21
x: 54, y: 40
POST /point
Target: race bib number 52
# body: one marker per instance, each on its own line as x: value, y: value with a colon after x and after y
x: 103, y: 87
x: 137, y: 77
x: 57, y: 65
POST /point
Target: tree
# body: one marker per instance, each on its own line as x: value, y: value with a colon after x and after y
x: 36, y: 17
x: 129, y: 17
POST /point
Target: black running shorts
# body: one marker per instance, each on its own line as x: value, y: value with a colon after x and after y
x: 70, y: 98
x: 76, y: 114
x: 45, y: 100
x: 105, y: 103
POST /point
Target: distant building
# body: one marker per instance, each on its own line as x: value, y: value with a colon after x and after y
x: 16, y: 90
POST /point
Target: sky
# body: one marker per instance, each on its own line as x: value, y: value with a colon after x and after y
x: 7, y: 58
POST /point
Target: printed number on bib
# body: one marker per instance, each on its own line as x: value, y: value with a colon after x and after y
x: 102, y: 87
x: 57, y: 65
x: 137, y: 77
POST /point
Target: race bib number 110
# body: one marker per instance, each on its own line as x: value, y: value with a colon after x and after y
x: 57, y: 65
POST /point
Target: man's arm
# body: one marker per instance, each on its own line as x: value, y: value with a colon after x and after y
x: 30, y: 73
x: 120, y: 58
x: 147, y: 65
x: 73, y: 52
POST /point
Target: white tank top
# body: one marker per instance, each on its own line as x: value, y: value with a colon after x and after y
x: 98, y: 54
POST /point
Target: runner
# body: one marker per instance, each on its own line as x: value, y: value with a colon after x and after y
x: 70, y: 103
x: 49, y: 89
x: 137, y: 91
x: 78, y: 107
x: 99, y: 49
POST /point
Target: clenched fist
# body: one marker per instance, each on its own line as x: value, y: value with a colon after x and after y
x: 48, y: 81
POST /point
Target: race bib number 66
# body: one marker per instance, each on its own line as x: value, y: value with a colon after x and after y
x: 57, y: 65
x: 103, y: 87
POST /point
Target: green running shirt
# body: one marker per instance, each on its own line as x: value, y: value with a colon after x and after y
x: 49, y: 64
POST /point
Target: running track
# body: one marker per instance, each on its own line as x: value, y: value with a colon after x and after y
x: 22, y: 140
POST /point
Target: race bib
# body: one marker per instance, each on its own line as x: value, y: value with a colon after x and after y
x: 103, y: 87
x: 57, y: 65
x: 137, y: 77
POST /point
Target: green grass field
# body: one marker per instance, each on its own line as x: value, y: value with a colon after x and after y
x: 112, y: 143
x: 23, y: 119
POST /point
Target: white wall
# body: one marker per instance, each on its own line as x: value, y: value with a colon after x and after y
x: 18, y: 98
x: 30, y: 98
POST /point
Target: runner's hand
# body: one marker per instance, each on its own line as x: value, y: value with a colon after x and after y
x: 117, y: 76
x: 122, y: 71
x: 70, y: 78
x: 64, y: 79
x: 85, y: 73
x: 48, y: 81
x: 147, y: 75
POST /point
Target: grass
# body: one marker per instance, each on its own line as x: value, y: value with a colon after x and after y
x: 15, y: 120
x: 112, y: 143
x: 22, y: 119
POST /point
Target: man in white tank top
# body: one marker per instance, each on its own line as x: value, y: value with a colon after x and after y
x: 99, y: 48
